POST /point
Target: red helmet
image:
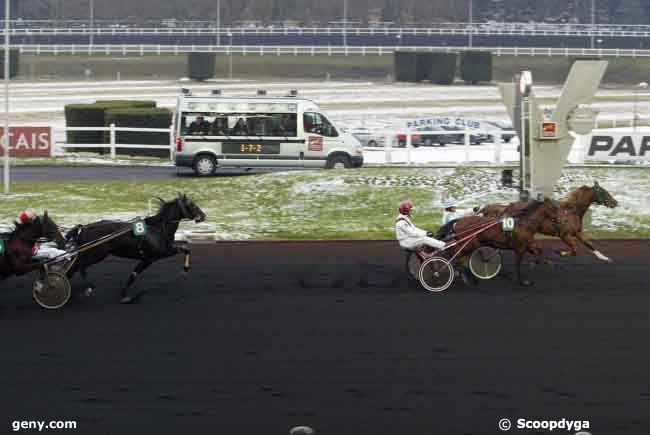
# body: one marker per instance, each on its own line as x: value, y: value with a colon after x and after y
x: 405, y: 207
x: 26, y: 216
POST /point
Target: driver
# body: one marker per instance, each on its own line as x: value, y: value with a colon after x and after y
x: 408, y: 235
x: 449, y: 217
x: 40, y: 251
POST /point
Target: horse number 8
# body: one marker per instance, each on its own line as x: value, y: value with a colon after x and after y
x: 508, y: 224
x: 139, y: 229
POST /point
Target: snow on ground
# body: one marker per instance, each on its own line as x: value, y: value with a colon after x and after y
x: 349, y: 103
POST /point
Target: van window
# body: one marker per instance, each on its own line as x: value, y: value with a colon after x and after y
x: 316, y: 123
x: 239, y: 124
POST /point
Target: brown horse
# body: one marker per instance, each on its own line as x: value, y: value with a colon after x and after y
x: 529, y: 218
x: 572, y: 211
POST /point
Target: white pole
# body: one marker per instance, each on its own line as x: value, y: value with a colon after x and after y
x: 112, y: 135
x: 7, y: 137
x: 471, y: 20
x: 467, y: 141
x: 92, y: 21
x: 218, y: 22
x: 345, y: 23
x: 409, y: 145
x: 498, y: 139
x: 388, y: 146
x: 230, y: 56
x: 593, y: 21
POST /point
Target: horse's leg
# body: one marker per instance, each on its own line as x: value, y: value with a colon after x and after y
x: 519, y: 257
x: 570, y: 241
x: 596, y: 252
x: 139, y: 268
x: 182, y: 248
x: 89, y: 287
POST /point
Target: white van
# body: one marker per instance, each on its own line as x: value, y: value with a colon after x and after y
x: 215, y: 131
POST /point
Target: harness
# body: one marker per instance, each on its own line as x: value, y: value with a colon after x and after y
x: 404, y: 219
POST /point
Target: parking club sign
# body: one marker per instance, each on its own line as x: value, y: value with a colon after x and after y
x: 29, y: 141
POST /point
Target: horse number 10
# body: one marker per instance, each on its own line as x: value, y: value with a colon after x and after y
x: 508, y: 224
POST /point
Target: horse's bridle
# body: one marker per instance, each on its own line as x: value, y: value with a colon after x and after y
x: 185, y: 213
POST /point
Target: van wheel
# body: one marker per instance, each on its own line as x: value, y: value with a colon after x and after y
x: 204, y: 166
x: 372, y: 143
x: 338, y: 162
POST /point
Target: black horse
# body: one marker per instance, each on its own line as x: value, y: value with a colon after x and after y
x: 156, y: 241
x: 16, y: 258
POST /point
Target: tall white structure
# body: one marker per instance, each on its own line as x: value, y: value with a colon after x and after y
x: 545, y: 136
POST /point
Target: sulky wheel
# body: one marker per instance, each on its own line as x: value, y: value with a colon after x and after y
x: 54, y: 293
x: 436, y: 274
x: 485, y: 262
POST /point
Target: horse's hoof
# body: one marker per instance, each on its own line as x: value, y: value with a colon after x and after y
x: 89, y: 292
x: 526, y: 282
x: 126, y: 300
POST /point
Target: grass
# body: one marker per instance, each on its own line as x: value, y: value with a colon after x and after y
x: 87, y: 159
x: 350, y: 204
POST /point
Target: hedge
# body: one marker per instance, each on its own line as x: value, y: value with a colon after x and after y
x: 443, y: 68
x: 140, y: 118
x: 405, y: 66
x: 93, y: 115
x: 201, y: 66
x: 476, y: 66
x: 14, y: 63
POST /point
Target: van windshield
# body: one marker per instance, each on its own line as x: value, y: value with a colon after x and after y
x: 316, y: 123
x: 234, y: 124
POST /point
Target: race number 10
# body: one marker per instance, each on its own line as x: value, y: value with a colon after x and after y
x: 139, y: 229
x: 508, y: 224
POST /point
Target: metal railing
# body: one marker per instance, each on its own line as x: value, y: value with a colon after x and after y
x: 313, y: 50
x: 212, y: 28
x: 112, y: 145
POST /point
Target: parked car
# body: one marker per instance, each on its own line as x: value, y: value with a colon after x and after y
x: 423, y: 138
x: 502, y: 125
x: 367, y: 137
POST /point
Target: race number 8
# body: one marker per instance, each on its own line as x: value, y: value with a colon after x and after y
x: 508, y: 224
x: 139, y: 229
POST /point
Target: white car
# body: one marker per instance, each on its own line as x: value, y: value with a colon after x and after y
x: 367, y: 137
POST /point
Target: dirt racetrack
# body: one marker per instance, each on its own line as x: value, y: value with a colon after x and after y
x: 261, y: 337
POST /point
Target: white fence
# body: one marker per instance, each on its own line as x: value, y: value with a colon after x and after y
x: 622, y: 145
x: 488, y: 147
x: 212, y: 29
x: 313, y: 50
x: 113, y: 145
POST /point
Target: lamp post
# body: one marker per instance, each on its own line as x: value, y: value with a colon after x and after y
x: 7, y: 71
x: 641, y: 85
x: 471, y: 20
x: 91, y: 20
x: 230, y: 55
x: 219, y: 22
x: 593, y: 22
x: 345, y: 23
